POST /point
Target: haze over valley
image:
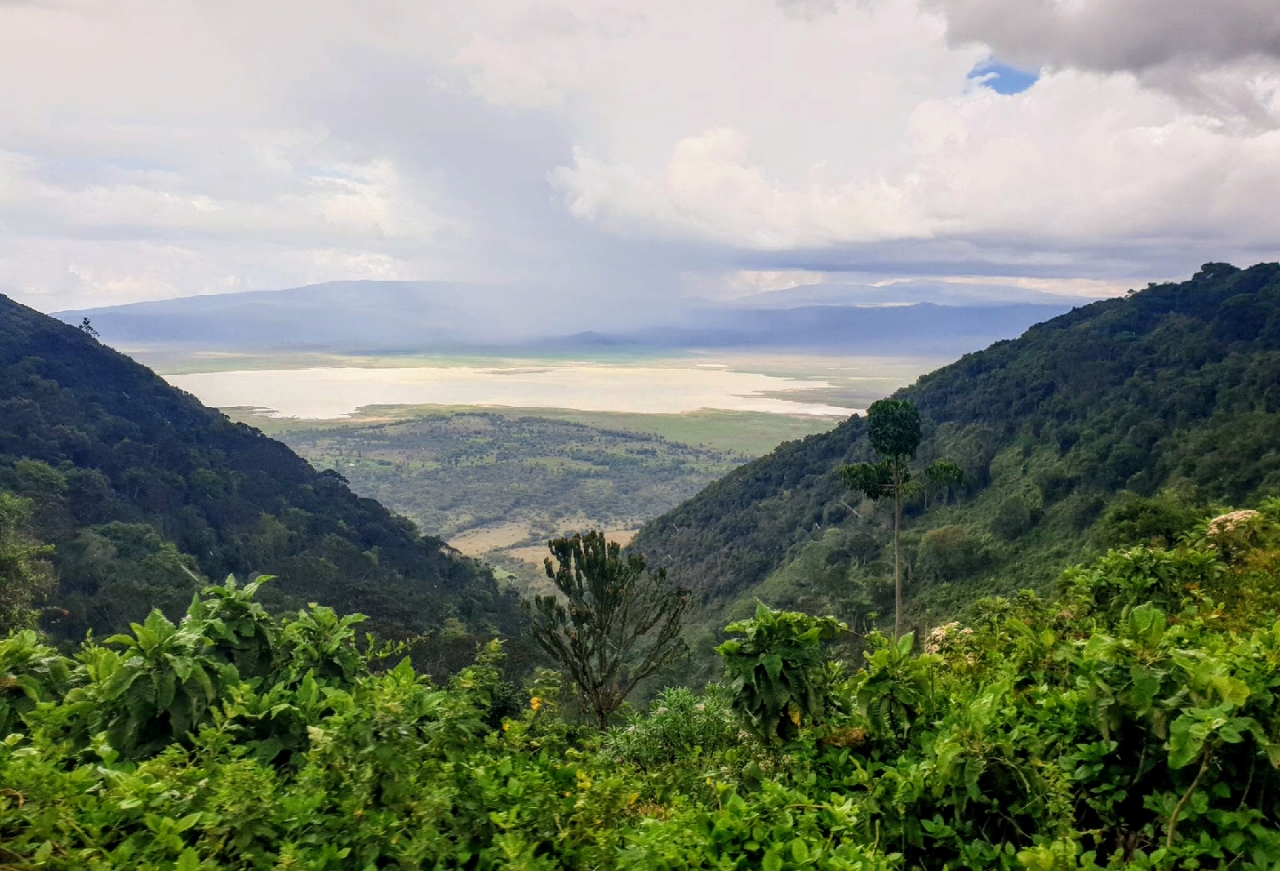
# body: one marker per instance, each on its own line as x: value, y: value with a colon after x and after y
x: 775, y: 365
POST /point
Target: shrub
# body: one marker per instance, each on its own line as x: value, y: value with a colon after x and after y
x: 30, y: 672
x: 679, y: 724
x: 1014, y: 518
x: 777, y: 672
x: 1156, y: 521
x: 949, y: 552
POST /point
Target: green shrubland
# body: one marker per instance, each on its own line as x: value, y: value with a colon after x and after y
x: 1129, y: 720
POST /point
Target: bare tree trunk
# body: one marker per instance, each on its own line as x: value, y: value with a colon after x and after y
x: 897, y: 570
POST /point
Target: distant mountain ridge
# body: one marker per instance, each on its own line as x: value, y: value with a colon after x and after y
x: 950, y: 293
x: 918, y: 328
x: 342, y: 315
x: 380, y: 316
x: 141, y: 488
x: 1177, y: 385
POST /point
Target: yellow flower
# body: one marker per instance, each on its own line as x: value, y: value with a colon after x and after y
x: 535, y: 703
x: 506, y: 727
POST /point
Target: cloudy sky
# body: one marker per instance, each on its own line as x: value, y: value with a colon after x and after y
x: 634, y: 147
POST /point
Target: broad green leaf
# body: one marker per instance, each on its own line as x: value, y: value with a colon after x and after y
x: 772, y: 665
x: 1232, y: 691
x: 799, y: 851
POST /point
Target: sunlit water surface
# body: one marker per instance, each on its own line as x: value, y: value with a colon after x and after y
x: 337, y: 392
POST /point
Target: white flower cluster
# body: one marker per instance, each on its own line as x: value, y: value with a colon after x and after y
x: 946, y: 637
x: 1225, y: 523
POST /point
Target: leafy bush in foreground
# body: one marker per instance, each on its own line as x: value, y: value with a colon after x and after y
x: 680, y: 722
x: 1132, y: 722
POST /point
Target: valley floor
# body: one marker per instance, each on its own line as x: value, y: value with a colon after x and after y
x: 498, y: 480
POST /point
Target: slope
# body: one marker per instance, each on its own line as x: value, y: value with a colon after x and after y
x: 1174, y: 390
x: 141, y: 488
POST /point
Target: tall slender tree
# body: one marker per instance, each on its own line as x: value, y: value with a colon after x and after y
x: 614, y: 623
x: 894, y: 428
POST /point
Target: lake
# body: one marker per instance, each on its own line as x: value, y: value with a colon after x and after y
x: 334, y: 392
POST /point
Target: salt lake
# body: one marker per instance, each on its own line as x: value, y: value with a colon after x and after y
x: 334, y: 392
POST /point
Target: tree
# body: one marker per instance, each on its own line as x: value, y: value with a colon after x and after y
x: 943, y: 475
x: 88, y: 330
x: 614, y: 623
x: 24, y: 575
x: 894, y: 428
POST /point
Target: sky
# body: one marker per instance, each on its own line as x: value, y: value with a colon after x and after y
x: 631, y: 149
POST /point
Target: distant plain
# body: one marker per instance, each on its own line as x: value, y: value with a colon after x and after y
x: 526, y: 448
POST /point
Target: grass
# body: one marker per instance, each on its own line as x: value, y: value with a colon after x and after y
x: 497, y: 483
x: 748, y: 433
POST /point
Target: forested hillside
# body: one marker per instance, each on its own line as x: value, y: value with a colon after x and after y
x: 142, y: 490
x: 1154, y: 404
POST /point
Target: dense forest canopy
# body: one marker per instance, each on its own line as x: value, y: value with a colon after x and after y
x: 1171, y: 390
x: 146, y: 494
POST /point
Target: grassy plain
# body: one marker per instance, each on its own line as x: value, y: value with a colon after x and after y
x: 749, y: 433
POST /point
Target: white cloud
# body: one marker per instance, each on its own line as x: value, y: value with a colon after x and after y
x: 1044, y: 170
x: 712, y: 190
x: 158, y: 150
x: 504, y: 75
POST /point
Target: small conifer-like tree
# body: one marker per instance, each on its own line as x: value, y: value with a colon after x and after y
x: 615, y: 622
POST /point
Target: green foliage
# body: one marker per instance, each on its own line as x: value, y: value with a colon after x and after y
x: 872, y: 480
x: 944, y: 477
x: 161, y: 683
x: 893, y: 427
x: 680, y: 724
x: 777, y: 671
x: 31, y: 672
x: 895, y: 690
x: 617, y: 623
x: 24, y: 572
x: 773, y: 829
x: 1013, y: 518
x: 1159, y: 520
x: 949, y: 553
x: 1130, y: 724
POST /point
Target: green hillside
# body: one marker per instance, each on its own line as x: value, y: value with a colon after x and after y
x: 142, y: 490
x: 1171, y: 394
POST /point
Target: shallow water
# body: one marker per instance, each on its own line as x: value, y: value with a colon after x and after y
x: 337, y: 392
